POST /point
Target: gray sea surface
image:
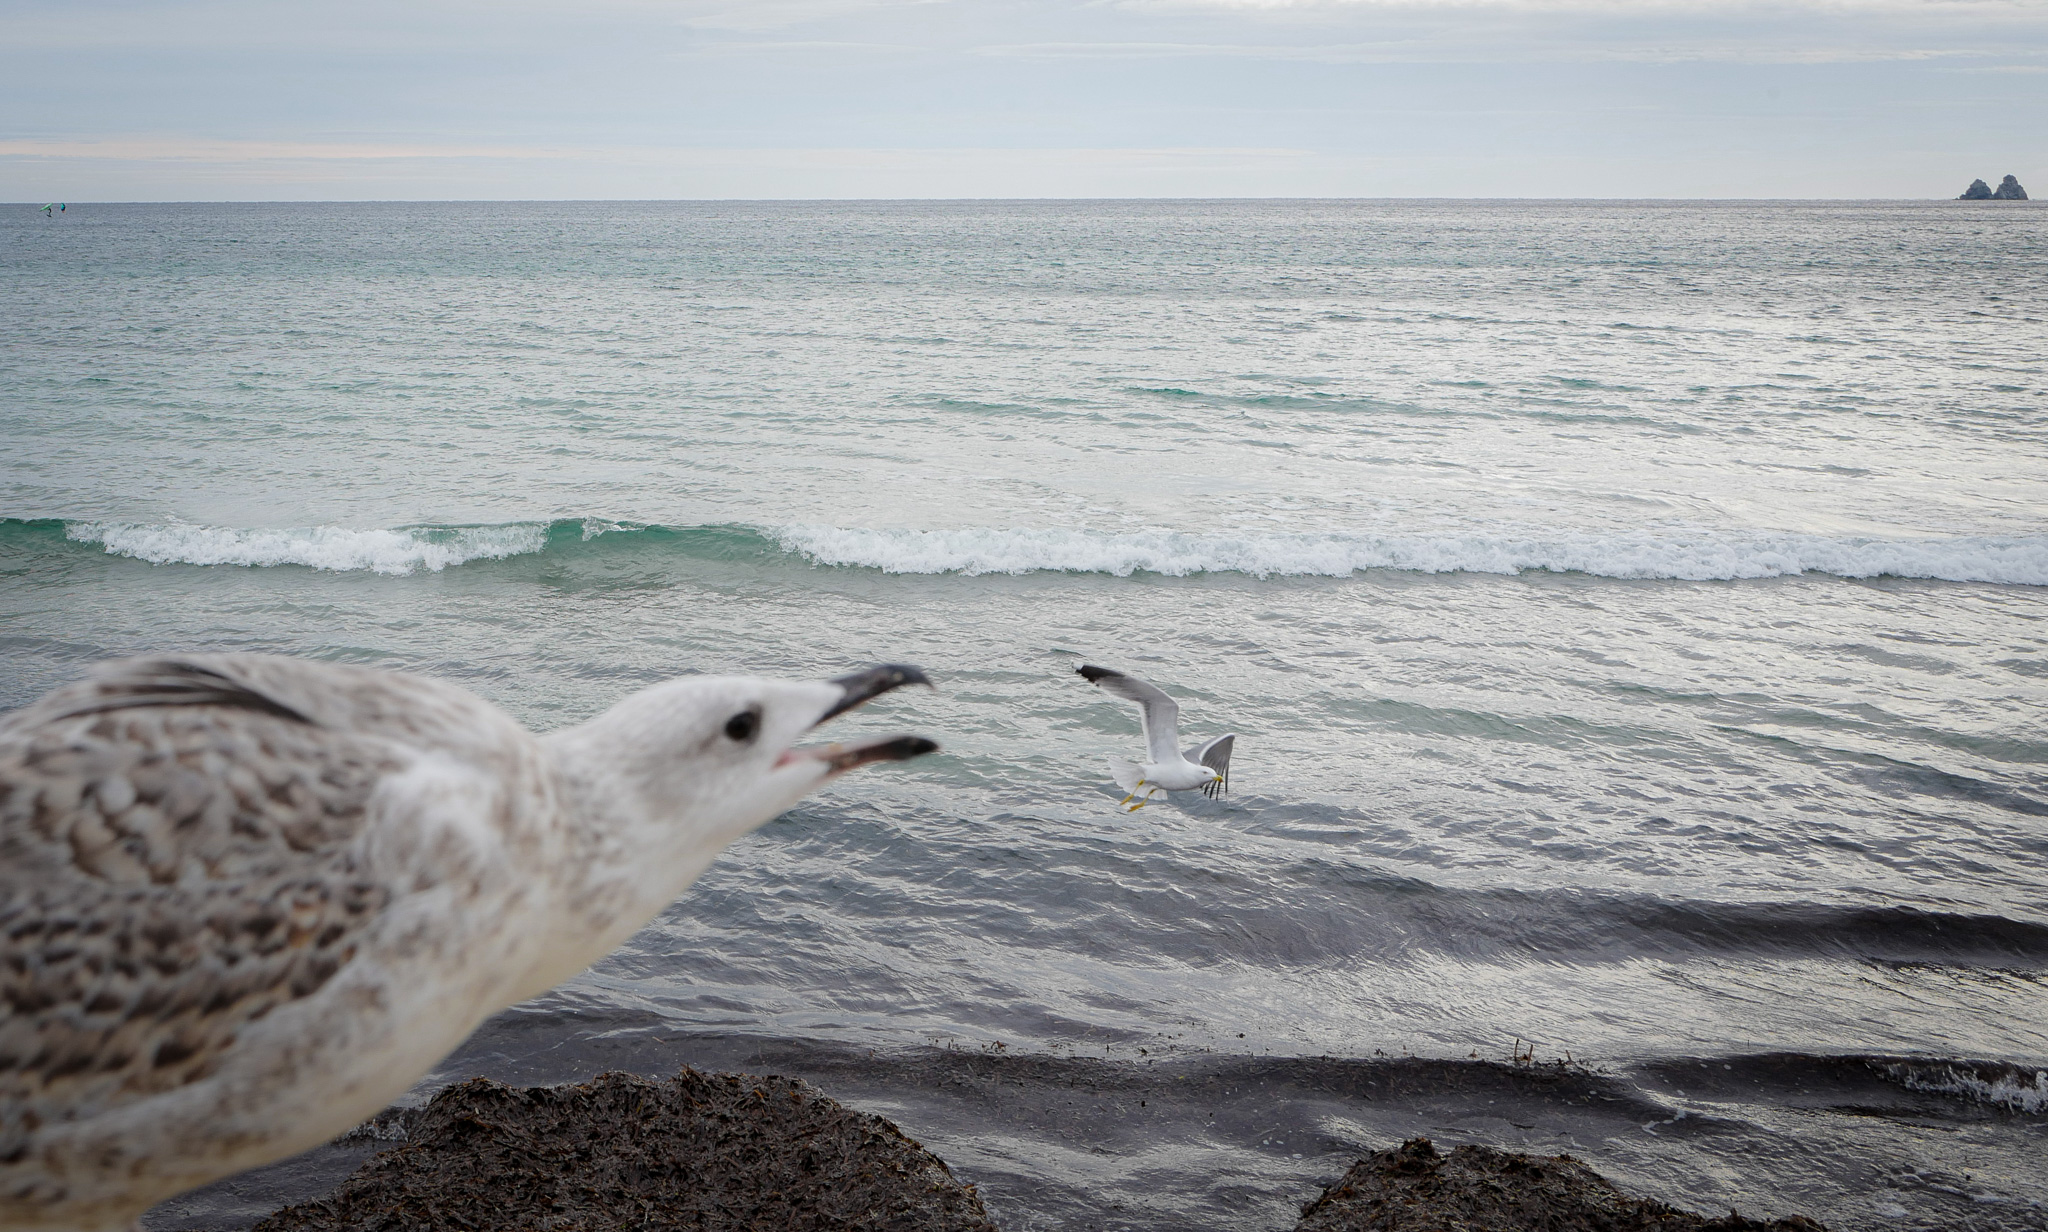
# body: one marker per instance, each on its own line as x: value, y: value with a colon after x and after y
x: 1634, y: 617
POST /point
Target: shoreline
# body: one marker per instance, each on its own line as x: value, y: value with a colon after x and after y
x: 1084, y: 1142
x: 717, y: 1151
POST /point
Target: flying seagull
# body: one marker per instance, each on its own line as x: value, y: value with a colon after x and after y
x: 1206, y: 766
x: 246, y: 901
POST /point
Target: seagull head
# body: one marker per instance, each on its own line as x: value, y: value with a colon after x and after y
x: 704, y: 759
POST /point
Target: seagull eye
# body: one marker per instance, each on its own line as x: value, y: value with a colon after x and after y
x: 742, y: 726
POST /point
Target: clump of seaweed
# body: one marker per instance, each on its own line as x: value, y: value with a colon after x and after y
x: 1415, y: 1188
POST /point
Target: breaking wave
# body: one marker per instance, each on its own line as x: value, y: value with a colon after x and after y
x: 970, y: 551
x: 2019, y: 560
x: 405, y: 549
x: 2015, y: 1088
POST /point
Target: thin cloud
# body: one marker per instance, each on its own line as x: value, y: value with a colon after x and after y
x: 781, y: 14
x: 1608, y: 8
x: 213, y: 150
x: 723, y: 47
x: 202, y: 149
x: 1426, y: 51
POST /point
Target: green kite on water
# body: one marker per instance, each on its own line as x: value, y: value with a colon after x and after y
x: 54, y: 205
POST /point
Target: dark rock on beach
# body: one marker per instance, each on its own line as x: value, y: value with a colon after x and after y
x: 699, y: 1151
x: 1977, y: 191
x: 1414, y: 1188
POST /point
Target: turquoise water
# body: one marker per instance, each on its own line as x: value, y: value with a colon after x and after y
x: 1633, y: 616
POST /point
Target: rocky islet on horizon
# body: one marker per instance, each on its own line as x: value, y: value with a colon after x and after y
x: 2008, y: 190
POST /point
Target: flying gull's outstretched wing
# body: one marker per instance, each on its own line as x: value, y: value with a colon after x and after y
x: 1158, y: 712
x: 1216, y: 755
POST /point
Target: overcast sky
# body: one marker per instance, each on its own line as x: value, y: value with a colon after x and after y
x: 239, y: 99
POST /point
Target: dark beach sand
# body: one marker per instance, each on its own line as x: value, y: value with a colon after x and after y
x: 706, y: 1152
x: 735, y: 1151
x: 1415, y: 1188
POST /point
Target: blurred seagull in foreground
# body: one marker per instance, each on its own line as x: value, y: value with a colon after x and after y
x: 1205, y: 766
x: 247, y: 901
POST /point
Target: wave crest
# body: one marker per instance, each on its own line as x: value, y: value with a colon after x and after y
x: 2012, y: 1087
x: 971, y: 551
x: 400, y: 550
x: 2018, y: 560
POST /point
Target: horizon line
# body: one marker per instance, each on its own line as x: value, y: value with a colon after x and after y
x: 37, y: 206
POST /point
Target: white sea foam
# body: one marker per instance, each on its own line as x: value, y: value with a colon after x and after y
x: 405, y: 549
x: 2016, y: 1089
x: 1697, y: 556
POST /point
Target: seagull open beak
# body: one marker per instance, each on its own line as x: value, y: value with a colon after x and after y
x: 839, y: 758
x: 859, y: 689
x: 864, y: 687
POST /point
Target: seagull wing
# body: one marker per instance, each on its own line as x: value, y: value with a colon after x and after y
x: 183, y: 851
x: 1160, y: 715
x: 1215, y: 755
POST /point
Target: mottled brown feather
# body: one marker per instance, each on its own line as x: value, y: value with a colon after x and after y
x: 174, y: 864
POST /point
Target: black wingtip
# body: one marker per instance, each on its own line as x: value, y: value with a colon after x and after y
x: 1092, y: 674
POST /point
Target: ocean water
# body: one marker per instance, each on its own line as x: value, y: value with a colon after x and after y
x: 1634, y: 617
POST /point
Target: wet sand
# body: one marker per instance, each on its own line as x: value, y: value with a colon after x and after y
x: 1416, y: 1188
x: 722, y: 1151
x: 708, y: 1152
